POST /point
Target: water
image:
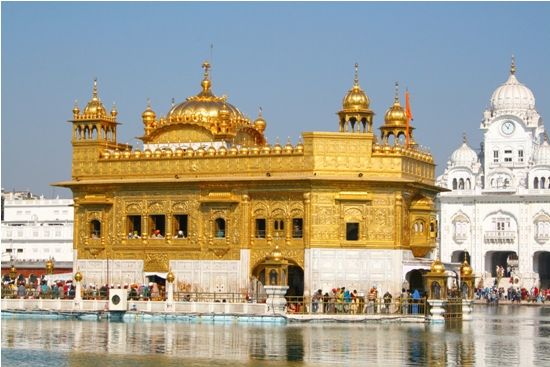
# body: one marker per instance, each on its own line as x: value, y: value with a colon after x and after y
x: 505, y: 335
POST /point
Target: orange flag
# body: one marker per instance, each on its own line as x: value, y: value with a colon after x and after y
x: 409, y: 117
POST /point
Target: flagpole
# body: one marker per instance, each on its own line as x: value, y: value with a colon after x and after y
x: 409, y: 117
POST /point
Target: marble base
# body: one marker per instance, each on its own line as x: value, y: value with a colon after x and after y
x: 275, y: 297
x: 437, y: 311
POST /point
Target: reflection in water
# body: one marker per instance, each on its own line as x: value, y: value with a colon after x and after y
x: 519, y: 335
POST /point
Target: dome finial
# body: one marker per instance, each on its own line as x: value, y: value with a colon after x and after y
x: 148, y: 103
x: 513, y: 68
x: 396, y: 92
x: 356, y: 73
x: 95, y: 89
x: 206, y: 66
x: 260, y: 113
x: 464, y: 137
x: 173, y: 102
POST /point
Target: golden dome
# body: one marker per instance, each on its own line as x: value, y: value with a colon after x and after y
x: 106, y: 154
x: 179, y: 151
x: 158, y: 153
x: 277, y: 148
x: 147, y: 153
x: 255, y: 150
x: 244, y: 150
x: 260, y: 124
x: 190, y: 151
x: 205, y: 105
x: 299, y: 147
x: 211, y: 150
x: 114, y: 112
x: 127, y: 154
x: 276, y: 254
x: 148, y: 115
x: 116, y: 154
x: 356, y: 99
x: 437, y: 267
x: 168, y: 152
x: 200, y: 152
x: 288, y: 149
x: 78, y: 276
x: 170, y: 277
x: 396, y: 114
x: 76, y: 110
x: 377, y: 148
x: 266, y: 149
x: 465, y: 269
x: 49, y: 266
x: 233, y: 150
x: 422, y: 201
x: 137, y: 153
x: 94, y: 108
x: 222, y: 150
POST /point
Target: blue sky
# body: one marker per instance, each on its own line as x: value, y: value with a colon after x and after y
x: 295, y: 60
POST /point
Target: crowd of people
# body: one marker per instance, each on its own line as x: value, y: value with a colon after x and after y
x: 341, y: 300
x: 67, y: 290
x: 514, y: 294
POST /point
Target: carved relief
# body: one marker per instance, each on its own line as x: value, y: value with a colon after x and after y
x: 157, y: 207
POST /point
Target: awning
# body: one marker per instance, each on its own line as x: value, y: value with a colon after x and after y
x: 153, y: 273
x: 62, y: 277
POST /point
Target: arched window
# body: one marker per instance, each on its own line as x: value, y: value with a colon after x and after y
x: 542, y: 183
x: 461, y: 184
x: 536, y: 183
x: 468, y: 184
x: 219, y: 228
x: 95, y: 229
x: 455, y: 186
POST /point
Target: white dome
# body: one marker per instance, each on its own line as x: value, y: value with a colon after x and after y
x: 464, y: 156
x: 542, y: 154
x: 512, y: 95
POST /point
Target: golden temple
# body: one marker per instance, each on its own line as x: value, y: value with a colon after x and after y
x: 343, y: 207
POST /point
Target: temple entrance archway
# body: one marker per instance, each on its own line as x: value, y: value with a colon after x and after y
x: 507, y: 259
x: 415, y: 278
x: 541, y: 265
x: 458, y: 257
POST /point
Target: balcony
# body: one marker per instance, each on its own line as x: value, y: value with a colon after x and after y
x: 500, y: 236
x: 460, y: 238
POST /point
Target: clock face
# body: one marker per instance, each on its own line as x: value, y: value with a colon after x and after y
x: 508, y: 127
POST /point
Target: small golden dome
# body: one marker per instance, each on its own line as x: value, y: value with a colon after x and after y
x: 168, y: 152
x: 147, y: 153
x: 190, y: 152
x: 49, y: 266
x: 397, y: 149
x: 158, y: 153
x: 170, y: 277
x: 116, y: 154
x: 266, y: 149
x: 276, y: 254
x: 200, y: 152
x: 233, y: 150
x: 356, y: 99
x: 244, y: 150
x: 377, y: 148
x: 78, y: 276
x: 127, y: 154
x: 277, y: 148
x: 255, y: 150
x: 387, y: 148
x: 106, y: 154
x: 437, y: 267
x: 288, y: 149
x: 211, y: 150
x: 465, y: 269
x: 148, y: 115
x: 114, y: 112
x: 179, y: 151
x: 260, y: 123
x: 137, y: 153
x: 94, y: 108
x: 396, y: 114
x: 222, y: 150
x: 76, y: 110
x: 299, y: 147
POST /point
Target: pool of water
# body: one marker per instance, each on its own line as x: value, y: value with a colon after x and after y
x: 505, y: 335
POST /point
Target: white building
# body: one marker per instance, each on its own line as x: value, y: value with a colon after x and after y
x: 35, y: 229
x: 499, y: 207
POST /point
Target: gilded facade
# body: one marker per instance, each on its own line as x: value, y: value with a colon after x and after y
x: 344, y: 207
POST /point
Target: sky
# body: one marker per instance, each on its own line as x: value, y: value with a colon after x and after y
x: 295, y: 60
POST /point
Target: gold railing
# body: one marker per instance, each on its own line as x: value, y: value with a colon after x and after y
x: 306, y: 305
